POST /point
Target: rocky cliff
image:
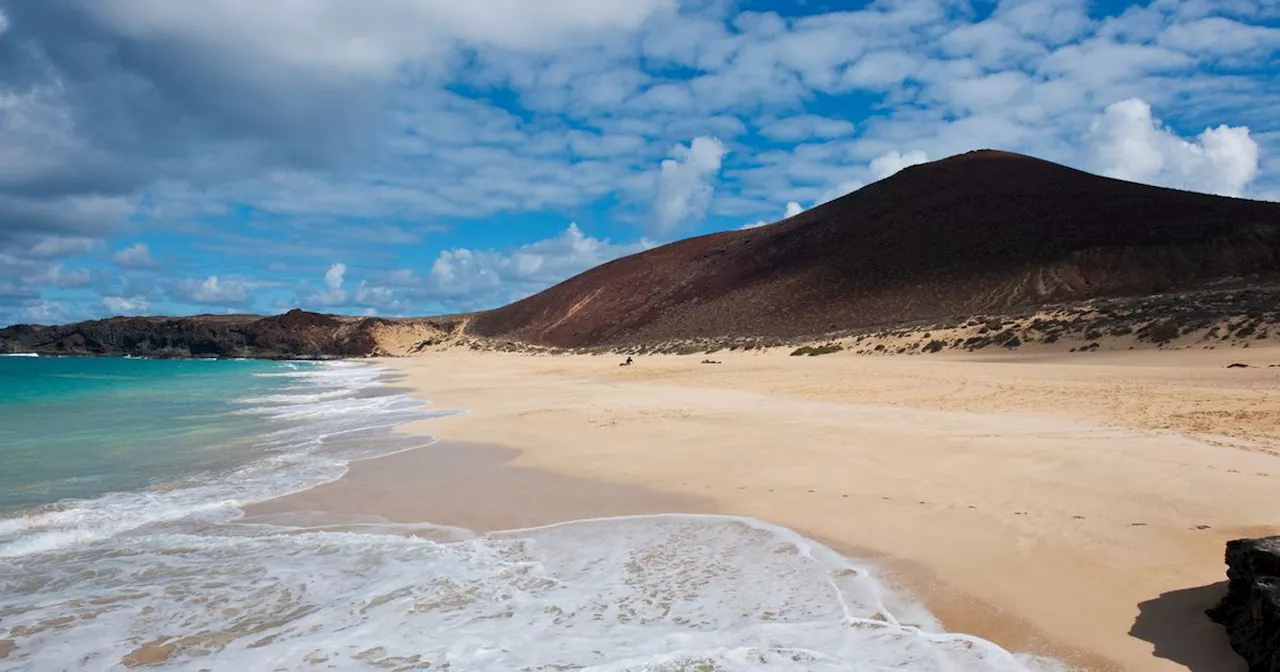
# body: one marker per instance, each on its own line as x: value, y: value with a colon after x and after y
x: 1251, y: 609
x: 293, y: 335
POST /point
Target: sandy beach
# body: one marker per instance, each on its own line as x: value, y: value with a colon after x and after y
x: 1071, y: 505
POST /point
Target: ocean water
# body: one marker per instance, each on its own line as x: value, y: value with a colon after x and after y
x: 119, y: 545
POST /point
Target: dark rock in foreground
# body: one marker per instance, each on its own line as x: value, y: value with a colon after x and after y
x: 1251, y: 609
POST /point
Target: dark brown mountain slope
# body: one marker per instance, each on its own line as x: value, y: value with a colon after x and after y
x: 981, y: 232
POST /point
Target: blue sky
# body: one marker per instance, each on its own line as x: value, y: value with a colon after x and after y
x: 429, y: 156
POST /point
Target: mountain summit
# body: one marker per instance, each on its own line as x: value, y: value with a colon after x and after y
x: 984, y: 231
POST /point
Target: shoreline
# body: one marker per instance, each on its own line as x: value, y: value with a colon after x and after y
x: 372, y: 494
x: 979, y: 571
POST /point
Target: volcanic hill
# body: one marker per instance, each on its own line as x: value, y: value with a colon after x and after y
x: 950, y: 249
x: 979, y: 233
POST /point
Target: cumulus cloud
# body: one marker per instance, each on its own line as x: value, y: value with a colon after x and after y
x: 364, y: 296
x: 883, y: 166
x: 333, y: 277
x: 369, y: 40
x: 890, y: 163
x: 137, y: 255
x: 121, y: 305
x: 793, y: 209
x: 81, y: 217
x: 45, y: 312
x: 805, y: 127
x: 684, y: 183
x: 35, y: 273
x: 334, y: 294
x: 1127, y: 142
x: 294, y: 132
x: 214, y: 291
x: 1220, y: 36
x: 56, y: 247
x: 473, y: 278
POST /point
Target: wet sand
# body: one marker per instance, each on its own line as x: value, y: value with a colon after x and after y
x: 471, y: 486
x: 1058, y: 506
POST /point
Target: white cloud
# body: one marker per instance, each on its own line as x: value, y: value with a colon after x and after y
x: 569, y: 106
x: 365, y: 295
x: 837, y: 190
x: 473, y: 278
x: 793, y: 209
x: 53, y: 247
x: 4, y: 23
x: 890, y: 163
x: 79, y: 277
x: 1127, y: 142
x: 137, y: 255
x: 883, y: 166
x: 1219, y: 37
x: 120, y: 305
x: 213, y: 290
x: 36, y: 273
x: 334, y: 294
x: 684, y: 183
x: 45, y: 312
x: 368, y: 40
x: 804, y: 127
x: 333, y: 277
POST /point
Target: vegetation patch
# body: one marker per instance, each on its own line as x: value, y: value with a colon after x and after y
x: 1161, y: 331
x: 814, y: 351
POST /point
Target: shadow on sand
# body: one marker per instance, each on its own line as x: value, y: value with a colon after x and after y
x: 1176, y: 624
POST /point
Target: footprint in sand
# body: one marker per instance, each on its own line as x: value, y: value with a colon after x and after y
x: 1200, y: 527
x: 1019, y: 513
x: 1137, y: 524
x: 972, y: 506
x: 1077, y: 517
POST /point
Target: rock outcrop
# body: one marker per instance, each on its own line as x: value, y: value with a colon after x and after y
x: 296, y: 334
x: 1251, y: 609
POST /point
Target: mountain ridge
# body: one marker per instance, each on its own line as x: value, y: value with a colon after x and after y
x: 978, y: 232
x: 982, y: 233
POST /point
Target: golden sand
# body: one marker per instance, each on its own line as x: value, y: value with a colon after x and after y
x: 1075, y: 505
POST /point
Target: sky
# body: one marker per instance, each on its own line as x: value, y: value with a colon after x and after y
x: 412, y: 157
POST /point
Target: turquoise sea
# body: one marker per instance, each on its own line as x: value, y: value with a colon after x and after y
x: 78, y: 428
x: 123, y: 542
x: 92, y: 448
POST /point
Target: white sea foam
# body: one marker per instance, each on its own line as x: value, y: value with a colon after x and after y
x: 641, y: 593
x: 651, y: 593
x: 318, y: 436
